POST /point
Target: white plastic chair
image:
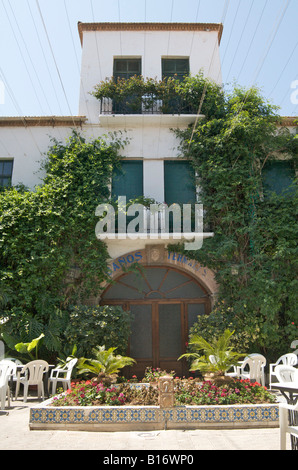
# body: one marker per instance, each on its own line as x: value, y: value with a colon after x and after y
x: 7, y: 368
x: 213, y: 360
x: 62, y: 375
x: 285, y: 411
x: 256, y: 368
x: 294, y: 345
x: 33, y: 375
x: 17, y: 362
x: 286, y: 360
x: 286, y: 373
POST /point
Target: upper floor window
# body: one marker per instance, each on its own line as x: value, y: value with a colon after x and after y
x: 126, y: 68
x: 5, y: 172
x: 130, y: 93
x: 178, y: 68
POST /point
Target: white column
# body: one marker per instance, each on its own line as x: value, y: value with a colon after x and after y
x: 154, y: 179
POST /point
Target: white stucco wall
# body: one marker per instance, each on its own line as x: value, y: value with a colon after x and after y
x: 150, y: 137
x: 101, y: 47
x: 28, y: 147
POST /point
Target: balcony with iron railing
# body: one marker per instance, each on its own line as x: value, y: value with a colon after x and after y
x: 145, y: 105
x: 151, y: 109
x: 127, y: 100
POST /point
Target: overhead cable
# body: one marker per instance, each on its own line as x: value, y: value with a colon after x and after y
x: 53, y: 55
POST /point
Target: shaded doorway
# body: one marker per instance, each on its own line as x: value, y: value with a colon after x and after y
x: 165, y: 303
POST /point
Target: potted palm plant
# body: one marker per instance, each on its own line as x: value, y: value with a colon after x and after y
x: 213, y: 360
x: 105, y: 365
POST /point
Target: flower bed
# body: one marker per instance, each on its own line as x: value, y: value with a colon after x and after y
x: 187, y: 392
x: 133, y: 407
x: 235, y: 392
x: 96, y: 394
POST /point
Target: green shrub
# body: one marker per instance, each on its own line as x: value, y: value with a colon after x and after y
x: 92, y: 326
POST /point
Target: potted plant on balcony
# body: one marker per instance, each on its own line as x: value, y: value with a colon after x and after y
x: 213, y: 360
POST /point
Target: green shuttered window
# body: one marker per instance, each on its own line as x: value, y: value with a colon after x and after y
x: 278, y: 176
x: 128, y: 180
x: 175, y: 67
x: 179, y: 178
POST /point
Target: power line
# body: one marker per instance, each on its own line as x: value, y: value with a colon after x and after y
x: 97, y: 50
x: 266, y: 52
x: 281, y: 74
x: 53, y: 55
x: 193, y: 36
x: 230, y: 36
x: 32, y: 64
x: 239, y: 42
x: 275, y: 30
x: 19, y: 111
x: 254, y: 34
x: 20, y: 50
x: 77, y: 60
x: 44, y: 56
x: 224, y: 13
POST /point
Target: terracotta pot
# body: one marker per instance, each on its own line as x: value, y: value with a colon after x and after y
x: 217, y: 379
x: 209, y: 376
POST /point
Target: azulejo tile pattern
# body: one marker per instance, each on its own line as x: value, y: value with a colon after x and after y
x: 188, y: 415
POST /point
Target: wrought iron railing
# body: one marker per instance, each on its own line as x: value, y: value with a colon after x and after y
x: 147, y: 104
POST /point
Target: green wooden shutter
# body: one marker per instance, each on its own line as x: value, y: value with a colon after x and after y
x: 179, y: 69
x: 6, y: 172
x: 125, y: 69
x: 277, y: 176
x: 179, y: 179
x: 175, y: 67
x: 128, y: 180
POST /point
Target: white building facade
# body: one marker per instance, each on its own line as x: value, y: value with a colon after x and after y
x: 172, y: 289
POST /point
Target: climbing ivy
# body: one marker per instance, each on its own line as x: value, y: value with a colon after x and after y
x: 49, y: 254
x: 254, y: 250
x: 168, y: 96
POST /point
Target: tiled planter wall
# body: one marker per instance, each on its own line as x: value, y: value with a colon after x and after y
x: 139, y: 418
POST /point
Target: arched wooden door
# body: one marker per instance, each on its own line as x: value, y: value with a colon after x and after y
x: 164, y: 302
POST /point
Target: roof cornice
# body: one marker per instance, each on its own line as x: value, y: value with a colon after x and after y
x: 79, y: 121
x: 82, y: 27
x: 43, y: 121
x: 289, y: 121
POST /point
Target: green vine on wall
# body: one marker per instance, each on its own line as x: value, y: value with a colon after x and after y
x: 254, y: 250
x: 171, y: 94
x: 50, y: 257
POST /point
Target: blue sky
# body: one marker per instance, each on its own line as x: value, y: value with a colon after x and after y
x: 40, y: 54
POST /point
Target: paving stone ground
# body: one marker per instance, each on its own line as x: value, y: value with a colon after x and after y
x: 16, y: 435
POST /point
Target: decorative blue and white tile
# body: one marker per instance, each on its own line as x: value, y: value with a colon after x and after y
x: 195, y: 415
